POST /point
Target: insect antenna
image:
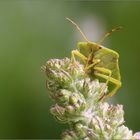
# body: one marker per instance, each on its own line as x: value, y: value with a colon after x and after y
x: 84, y: 36
x: 108, y: 34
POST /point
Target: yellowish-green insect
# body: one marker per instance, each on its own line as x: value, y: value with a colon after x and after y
x: 101, y: 62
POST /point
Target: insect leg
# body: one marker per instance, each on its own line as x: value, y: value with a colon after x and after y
x: 114, y: 81
x: 77, y: 53
x: 110, y: 79
x: 95, y: 61
x: 105, y: 71
x: 117, y: 83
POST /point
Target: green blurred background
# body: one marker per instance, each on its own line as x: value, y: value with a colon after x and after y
x: 31, y: 32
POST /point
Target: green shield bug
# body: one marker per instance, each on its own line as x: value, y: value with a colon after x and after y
x: 99, y: 61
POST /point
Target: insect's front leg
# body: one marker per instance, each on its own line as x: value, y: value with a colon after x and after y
x: 94, y: 62
x: 80, y: 55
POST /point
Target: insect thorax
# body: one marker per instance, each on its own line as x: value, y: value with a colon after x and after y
x: 86, y: 48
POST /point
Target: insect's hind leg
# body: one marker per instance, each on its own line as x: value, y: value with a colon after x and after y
x: 109, y: 79
x: 105, y: 71
x: 80, y: 55
x: 118, y: 85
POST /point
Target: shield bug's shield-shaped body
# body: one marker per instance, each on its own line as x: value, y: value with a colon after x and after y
x: 99, y: 61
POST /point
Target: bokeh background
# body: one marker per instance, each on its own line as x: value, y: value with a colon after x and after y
x: 31, y: 32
